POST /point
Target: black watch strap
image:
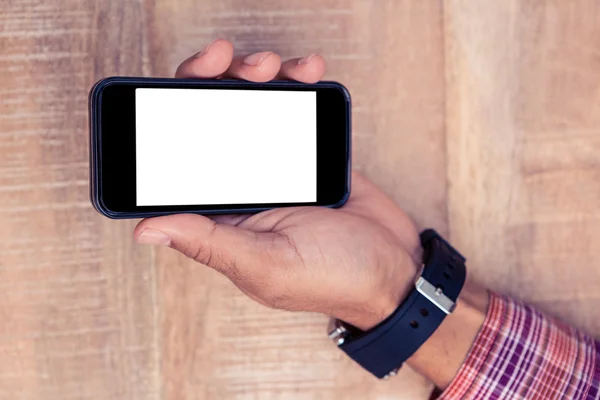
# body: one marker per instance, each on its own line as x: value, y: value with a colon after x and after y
x: 383, y: 349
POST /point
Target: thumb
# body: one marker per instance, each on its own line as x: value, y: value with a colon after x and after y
x: 222, y: 247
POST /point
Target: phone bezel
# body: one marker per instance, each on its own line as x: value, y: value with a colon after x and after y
x: 112, y: 108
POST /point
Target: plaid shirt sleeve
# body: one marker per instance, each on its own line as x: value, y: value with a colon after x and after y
x: 521, y: 353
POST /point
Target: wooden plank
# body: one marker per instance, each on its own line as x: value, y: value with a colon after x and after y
x: 77, y: 304
x: 216, y: 343
x: 79, y: 308
x: 523, y: 126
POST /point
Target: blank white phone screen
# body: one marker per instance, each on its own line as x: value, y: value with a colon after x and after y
x: 210, y: 146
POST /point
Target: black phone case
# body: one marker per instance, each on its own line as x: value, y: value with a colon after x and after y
x: 94, y: 124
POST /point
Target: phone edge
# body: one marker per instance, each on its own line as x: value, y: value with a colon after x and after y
x: 94, y: 102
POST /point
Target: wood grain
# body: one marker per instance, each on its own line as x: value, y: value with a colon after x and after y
x: 480, y: 118
x: 216, y: 343
x: 77, y: 304
x: 523, y: 128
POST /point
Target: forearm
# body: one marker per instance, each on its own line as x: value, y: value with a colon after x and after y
x: 440, y: 358
x: 493, y: 346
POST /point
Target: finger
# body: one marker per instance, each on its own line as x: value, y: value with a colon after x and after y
x: 233, y: 219
x: 209, y: 63
x: 256, y: 67
x: 228, y: 249
x: 309, y: 69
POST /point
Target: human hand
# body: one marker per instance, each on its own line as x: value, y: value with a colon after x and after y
x: 356, y: 263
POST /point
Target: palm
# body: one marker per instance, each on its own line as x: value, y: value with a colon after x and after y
x: 336, y: 248
x: 367, y: 204
x: 353, y: 263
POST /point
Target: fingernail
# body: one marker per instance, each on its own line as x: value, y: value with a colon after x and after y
x: 306, y: 60
x: 257, y: 58
x: 152, y: 236
x: 205, y: 50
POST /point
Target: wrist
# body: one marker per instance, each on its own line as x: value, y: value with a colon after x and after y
x: 389, y: 296
x: 441, y: 356
x: 431, y: 298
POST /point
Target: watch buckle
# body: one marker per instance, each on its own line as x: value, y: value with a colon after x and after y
x: 435, y: 295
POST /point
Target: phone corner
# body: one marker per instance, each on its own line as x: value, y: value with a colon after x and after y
x: 342, y: 89
x: 101, y: 84
x: 343, y: 200
x: 99, y: 206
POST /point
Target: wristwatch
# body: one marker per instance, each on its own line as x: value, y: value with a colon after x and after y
x: 383, y: 349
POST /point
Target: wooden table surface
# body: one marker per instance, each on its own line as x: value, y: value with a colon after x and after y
x: 480, y: 118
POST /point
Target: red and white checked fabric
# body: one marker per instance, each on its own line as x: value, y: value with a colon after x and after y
x: 521, y: 353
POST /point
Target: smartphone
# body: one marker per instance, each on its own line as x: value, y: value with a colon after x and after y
x: 164, y: 146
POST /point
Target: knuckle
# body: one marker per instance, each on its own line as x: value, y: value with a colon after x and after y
x: 204, y: 256
x: 212, y: 258
x: 201, y: 252
x: 198, y: 252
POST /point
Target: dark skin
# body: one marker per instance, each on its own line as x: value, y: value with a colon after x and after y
x: 356, y: 263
